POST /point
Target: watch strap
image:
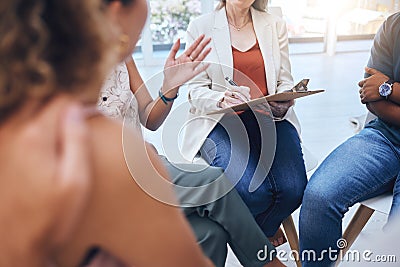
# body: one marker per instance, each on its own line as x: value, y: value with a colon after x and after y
x: 390, y: 81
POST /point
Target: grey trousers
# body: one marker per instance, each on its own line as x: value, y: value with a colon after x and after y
x: 224, y: 221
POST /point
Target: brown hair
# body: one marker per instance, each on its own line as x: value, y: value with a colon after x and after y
x: 46, y: 47
x: 260, y: 5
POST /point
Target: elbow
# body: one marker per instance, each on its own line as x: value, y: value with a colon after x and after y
x: 370, y: 107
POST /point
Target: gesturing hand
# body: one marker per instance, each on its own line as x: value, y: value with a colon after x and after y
x: 369, y: 91
x: 178, y: 71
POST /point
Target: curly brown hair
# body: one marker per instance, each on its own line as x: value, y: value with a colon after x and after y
x: 48, y: 47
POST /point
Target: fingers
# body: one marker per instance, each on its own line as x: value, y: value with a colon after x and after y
x: 200, y: 69
x: 273, y: 104
x: 363, y: 101
x: 363, y: 97
x: 242, y: 93
x: 245, y: 92
x: 174, y: 50
x: 200, y: 58
x: 285, y: 104
x: 361, y: 83
x: 279, y: 104
x: 279, y: 109
x: 232, y: 98
x: 196, y: 43
x: 199, y: 49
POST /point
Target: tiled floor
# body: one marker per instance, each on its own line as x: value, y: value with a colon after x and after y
x: 324, y: 117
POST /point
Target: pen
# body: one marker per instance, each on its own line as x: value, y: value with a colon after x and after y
x: 230, y: 81
x: 237, y: 96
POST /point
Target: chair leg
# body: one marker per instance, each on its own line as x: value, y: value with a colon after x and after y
x: 357, y: 223
x: 292, y: 237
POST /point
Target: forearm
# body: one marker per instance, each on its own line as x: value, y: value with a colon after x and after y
x: 386, y: 110
x: 395, y: 96
x: 152, y: 112
x: 157, y: 111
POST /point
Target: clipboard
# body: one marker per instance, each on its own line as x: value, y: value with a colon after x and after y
x: 298, y: 91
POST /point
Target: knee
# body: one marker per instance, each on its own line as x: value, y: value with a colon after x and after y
x: 218, y: 236
x: 211, y: 237
x: 293, y: 192
x: 208, y: 232
x: 213, y: 241
x: 319, y: 198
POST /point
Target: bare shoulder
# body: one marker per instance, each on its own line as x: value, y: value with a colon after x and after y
x: 112, y: 218
x: 120, y: 151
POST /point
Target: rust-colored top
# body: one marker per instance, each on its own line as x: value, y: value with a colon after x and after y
x: 250, y: 63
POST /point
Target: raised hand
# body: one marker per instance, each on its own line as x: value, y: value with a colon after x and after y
x: 179, y: 70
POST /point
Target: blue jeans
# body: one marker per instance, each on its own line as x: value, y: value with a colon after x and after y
x: 363, y: 167
x: 281, y: 191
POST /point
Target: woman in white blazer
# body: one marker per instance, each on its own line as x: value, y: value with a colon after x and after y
x: 248, y: 40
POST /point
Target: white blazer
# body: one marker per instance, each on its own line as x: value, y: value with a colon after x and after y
x: 208, y: 88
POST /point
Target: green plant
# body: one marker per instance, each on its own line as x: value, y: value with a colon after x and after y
x: 170, y: 18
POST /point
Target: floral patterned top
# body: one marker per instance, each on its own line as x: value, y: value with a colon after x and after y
x: 116, y: 98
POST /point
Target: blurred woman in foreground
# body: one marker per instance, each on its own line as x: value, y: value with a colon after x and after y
x: 53, y: 55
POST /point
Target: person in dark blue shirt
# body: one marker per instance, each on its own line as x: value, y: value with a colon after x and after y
x: 366, y: 165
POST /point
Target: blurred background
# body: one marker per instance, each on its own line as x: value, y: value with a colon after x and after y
x: 315, y: 26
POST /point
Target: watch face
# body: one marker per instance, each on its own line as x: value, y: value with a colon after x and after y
x: 385, y: 89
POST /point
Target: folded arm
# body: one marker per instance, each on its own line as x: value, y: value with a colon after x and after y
x: 387, y: 111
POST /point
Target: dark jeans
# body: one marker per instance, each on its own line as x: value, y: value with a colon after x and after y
x: 282, y: 184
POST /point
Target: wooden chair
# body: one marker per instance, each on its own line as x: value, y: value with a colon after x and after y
x: 292, y: 237
x: 363, y: 214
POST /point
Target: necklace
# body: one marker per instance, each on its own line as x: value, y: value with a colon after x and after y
x: 239, y: 28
